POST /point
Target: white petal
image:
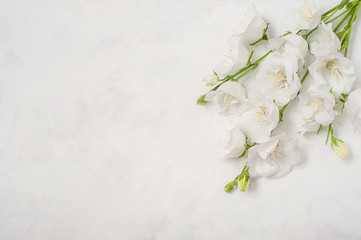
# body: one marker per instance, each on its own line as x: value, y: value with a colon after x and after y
x: 251, y: 27
x: 324, y: 41
x: 277, y: 78
x: 335, y: 72
x: 305, y: 16
x: 233, y: 58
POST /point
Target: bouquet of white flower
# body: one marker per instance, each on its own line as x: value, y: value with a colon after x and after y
x: 315, y: 49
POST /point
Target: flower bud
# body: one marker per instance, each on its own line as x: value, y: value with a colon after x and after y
x: 339, y: 148
x: 229, y: 187
x: 210, y: 80
x: 243, y: 183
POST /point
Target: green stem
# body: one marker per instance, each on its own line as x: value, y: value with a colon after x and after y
x: 342, y: 21
x: 352, y: 20
x: 330, y: 11
x: 305, y: 76
x: 248, y: 68
x: 341, y: 14
x: 329, y: 132
x: 328, y: 17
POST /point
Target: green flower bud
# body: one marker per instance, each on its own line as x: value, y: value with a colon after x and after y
x: 243, y: 182
x: 229, y: 187
x: 201, y: 100
x: 339, y: 148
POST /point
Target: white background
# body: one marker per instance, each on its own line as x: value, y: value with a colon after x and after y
x: 100, y: 137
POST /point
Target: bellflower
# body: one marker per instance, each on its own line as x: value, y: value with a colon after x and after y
x: 233, y: 141
x: 306, y: 16
x: 290, y: 44
x: 274, y: 158
x: 334, y: 72
x: 229, y: 97
x: 233, y: 58
x: 318, y: 105
x: 277, y: 78
x: 260, y: 117
x: 251, y: 27
x: 324, y: 41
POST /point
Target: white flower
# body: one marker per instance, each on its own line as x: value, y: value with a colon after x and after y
x: 229, y: 97
x: 324, y: 41
x: 339, y: 148
x: 260, y: 117
x: 234, y: 142
x: 306, y: 125
x: 277, y: 78
x: 334, y: 72
x: 234, y: 57
x: 274, y: 158
x: 353, y: 106
x: 318, y: 105
x: 210, y: 80
x: 290, y: 44
x: 251, y: 27
x: 306, y: 16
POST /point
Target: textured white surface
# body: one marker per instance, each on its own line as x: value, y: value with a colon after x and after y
x: 100, y: 137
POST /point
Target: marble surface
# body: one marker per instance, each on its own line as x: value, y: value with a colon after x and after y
x: 100, y: 137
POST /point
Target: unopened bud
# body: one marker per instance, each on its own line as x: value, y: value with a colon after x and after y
x: 229, y: 187
x: 339, y: 148
x: 243, y: 182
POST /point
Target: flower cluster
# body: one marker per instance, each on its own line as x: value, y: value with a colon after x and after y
x: 315, y: 49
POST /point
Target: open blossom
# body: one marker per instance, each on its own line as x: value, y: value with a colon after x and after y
x: 290, y: 44
x: 318, y: 105
x: 233, y: 141
x: 259, y: 118
x: 334, y: 72
x: 234, y: 57
x: 353, y: 106
x: 274, y: 158
x: 324, y: 41
x: 277, y: 78
x: 306, y: 16
x: 229, y: 97
x: 251, y: 27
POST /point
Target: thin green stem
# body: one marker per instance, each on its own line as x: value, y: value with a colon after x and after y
x: 352, y: 20
x: 328, y: 17
x: 341, y: 14
x: 305, y: 76
x: 342, y: 21
x: 248, y: 68
x: 329, y: 132
x: 330, y: 11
